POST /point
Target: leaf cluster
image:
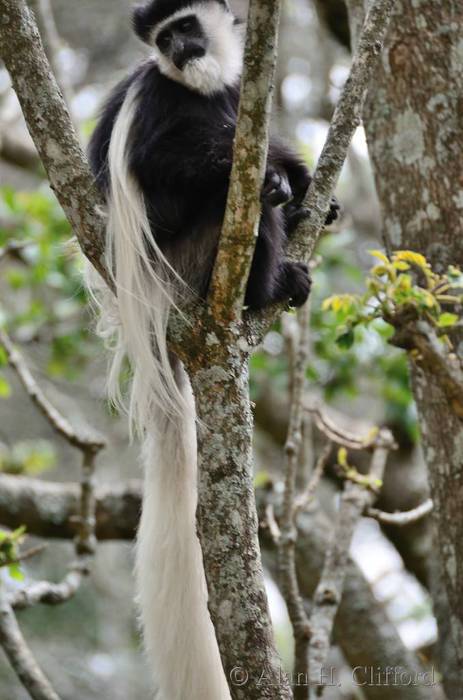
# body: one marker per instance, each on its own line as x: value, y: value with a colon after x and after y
x: 399, y: 288
x: 9, y: 551
x: 43, y: 293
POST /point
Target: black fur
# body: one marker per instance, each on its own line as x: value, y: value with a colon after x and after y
x: 147, y: 16
x: 180, y: 153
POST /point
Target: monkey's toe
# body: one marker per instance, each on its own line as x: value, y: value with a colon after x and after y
x: 333, y: 212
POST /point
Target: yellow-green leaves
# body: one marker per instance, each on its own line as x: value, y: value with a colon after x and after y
x: 401, y: 283
x: 355, y: 476
x: 9, y: 545
x: 447, y: 320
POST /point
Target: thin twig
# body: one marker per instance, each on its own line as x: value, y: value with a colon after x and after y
x: 24, y: 556
x: 355, y: 499
x: 299, y: 344
x: 346, y: 118
x: 403, y: 518
x: 85, y: 543
x: 272, y: 524
x: 305, y: 498
x: 340, y: 436
x: 20, y: 656
x: 54, y: 417
x: 51, y: 593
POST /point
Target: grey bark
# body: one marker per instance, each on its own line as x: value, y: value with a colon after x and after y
x: 362, y: 629
x: 227, y: 525
x: 354, y: 500
x: 20, y: 656
x: 414, y: 123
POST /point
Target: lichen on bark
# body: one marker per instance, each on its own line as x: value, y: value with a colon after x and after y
x: 414, y: 124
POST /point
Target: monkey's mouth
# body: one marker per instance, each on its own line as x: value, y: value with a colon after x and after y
x: 183, y: 58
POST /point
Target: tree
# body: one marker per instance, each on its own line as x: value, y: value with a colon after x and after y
x: 216, y: 356
x: 415, y: 130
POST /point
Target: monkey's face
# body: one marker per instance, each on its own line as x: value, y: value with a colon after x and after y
x: 199, y: 45
x: 182, y: 41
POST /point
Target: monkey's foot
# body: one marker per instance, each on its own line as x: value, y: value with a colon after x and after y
x: 299, y: 282
x: 333, y: 212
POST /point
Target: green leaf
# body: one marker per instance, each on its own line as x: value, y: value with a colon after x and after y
x: 346, y: 340
x: 15, y: 572
x: 262, y: 478
x: 446, y: 320
x: 5, y: 390
x: 3, y: 357
x: 342, y: 457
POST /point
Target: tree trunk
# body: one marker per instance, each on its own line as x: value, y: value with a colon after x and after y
x: 227, y: 524
x: 414, y: 123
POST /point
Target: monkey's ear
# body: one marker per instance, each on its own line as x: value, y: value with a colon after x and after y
x: 140, y: 22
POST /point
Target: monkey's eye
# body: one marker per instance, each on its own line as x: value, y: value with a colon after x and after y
x: 163, y: 39
x: 186, y: 25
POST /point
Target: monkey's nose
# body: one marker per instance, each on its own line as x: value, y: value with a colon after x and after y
x: 186, y: 52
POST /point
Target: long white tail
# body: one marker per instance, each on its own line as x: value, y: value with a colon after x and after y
x: 178, y: 632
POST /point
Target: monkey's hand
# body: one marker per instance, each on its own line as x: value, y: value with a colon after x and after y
x: 276, y: 190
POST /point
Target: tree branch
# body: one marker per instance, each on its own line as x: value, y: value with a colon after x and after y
x: 52, y: 44
x: 20, y: 656
x: 367, y: 637
x: 50, y: 593
x: 15, y: 152
x: 401, y: 519
x: 354, y: 501
x: 85, y: 542
x: 242, y: 214
x: 362, y: 628
x: 61, y: 424
x: 51, y: 128
x: 298, y: 341
x: 346, y: 118
x: 50, y: 510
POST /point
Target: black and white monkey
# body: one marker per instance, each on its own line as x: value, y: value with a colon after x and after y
x: 162, y: 154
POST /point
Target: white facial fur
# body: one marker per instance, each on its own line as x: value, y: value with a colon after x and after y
x: 222, y: 64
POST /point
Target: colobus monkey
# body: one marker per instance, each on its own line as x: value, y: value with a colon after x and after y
x: 162, y: 154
